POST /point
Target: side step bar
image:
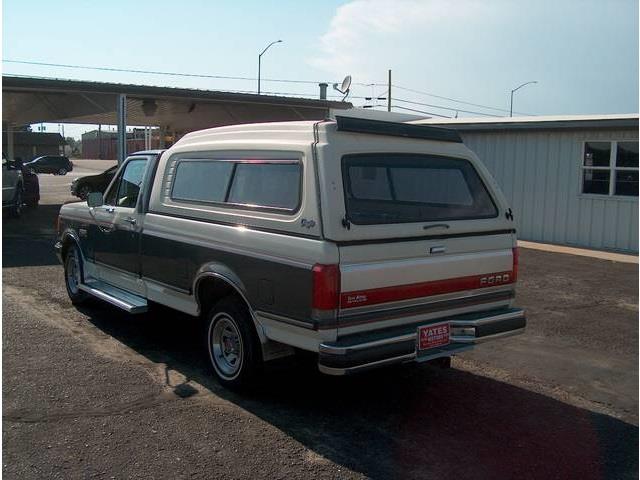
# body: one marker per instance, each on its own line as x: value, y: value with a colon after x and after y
x: 128, y: 302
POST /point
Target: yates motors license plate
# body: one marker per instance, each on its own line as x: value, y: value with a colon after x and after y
x: 430, y: 336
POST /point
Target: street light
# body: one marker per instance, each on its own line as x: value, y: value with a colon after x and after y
x: 515, y: 90
x: 260, y: 58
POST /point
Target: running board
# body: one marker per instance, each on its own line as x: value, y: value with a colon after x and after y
x: 129, y: 302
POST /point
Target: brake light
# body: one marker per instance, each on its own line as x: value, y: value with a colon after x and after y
x: 516, y: 254
x: 326, y: 287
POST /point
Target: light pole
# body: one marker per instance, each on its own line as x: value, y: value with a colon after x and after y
x: 260, y: 58
x: 515, y: 90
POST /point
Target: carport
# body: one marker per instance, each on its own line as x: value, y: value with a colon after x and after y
x: 29, y: 100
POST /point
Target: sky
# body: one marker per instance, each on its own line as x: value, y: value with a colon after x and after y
x: 582, y: 53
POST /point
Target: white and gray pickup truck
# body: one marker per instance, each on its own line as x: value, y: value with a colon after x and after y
x: 367, y: 242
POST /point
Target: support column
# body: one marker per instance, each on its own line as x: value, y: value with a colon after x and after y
x: 121, y: 111
x: 162, y: 131
x: 10, y: 142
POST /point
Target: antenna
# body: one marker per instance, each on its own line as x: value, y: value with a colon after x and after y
x: 344, y: 87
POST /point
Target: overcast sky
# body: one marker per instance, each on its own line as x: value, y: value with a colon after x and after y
x: 584, y: 54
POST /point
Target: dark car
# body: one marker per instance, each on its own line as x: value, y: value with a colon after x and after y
x: 30, y: 185
x: 81, y: 187
x: 56, y: 164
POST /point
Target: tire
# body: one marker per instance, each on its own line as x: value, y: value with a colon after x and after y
x: 16, y: 207
x: 73, y: 275
x: 233, y: 345
x: 62, y: 171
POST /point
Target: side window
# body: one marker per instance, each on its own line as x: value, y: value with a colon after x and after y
x: 201, y: 180
x: 126, y: 189
x: 271, y: 185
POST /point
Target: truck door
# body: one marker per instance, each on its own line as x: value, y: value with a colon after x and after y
x: 116, y: 233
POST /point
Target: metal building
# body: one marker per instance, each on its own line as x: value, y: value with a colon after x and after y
x: 571, y: 180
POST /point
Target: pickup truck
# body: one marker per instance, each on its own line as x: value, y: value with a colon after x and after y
x: 365, y: 242
x: 12, y: 186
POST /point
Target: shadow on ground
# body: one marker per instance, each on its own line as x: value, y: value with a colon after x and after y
x: 28, y: 241
x: 403, y: 422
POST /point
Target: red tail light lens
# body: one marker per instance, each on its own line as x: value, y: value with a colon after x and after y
x: 516, y: 254
x: 326, y: 287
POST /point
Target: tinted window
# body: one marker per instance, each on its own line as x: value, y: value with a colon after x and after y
x: 626, y: 183
x: 627, y: 155
x: 596, y: 181
x: 201, y: 180
x: 597, y: 154
x: 400, y: 188
x: 273, y: 185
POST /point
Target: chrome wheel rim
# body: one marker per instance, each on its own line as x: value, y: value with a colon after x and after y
x: 73, y: 272
x: 62, y: 171
x: 225, y: 346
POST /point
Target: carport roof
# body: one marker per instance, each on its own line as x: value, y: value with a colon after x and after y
x: 30, y: 100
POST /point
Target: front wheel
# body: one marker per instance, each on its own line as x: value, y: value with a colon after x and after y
x: 73, y: 275
x: 233, y: 344
x: 62, y: 171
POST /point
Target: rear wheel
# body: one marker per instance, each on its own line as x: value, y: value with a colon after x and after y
x: 73, y: 275
x: 16, y: 207
x: 233, y: 344
x: 62, y: 171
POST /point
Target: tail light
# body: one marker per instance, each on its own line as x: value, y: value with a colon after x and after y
x: 326, y: 287
x: 516, y: 254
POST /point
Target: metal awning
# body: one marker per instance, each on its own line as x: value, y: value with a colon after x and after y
x: 28, y: 100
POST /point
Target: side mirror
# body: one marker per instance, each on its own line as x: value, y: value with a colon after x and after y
x: 95, y: 199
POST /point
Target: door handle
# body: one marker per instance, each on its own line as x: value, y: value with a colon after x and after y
x: 110, y: 209
x: 131, y: 220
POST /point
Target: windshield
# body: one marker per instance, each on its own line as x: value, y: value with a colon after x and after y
x: 405, y: 188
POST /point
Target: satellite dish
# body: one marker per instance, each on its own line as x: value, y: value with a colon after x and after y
x: 344, y: 87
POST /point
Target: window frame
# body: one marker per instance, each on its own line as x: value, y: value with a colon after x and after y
x: 241, y: 206
x: 117, y: 178
x: 346, y: 183
x: 612, y: 169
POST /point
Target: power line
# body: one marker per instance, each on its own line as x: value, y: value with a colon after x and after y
x: 453, y: 99
x: 419, y: 111
x: 443, y: 107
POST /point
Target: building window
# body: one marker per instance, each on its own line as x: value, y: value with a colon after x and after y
x: 610, y: 168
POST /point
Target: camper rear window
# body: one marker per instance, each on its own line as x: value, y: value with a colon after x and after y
x: 406, y: 188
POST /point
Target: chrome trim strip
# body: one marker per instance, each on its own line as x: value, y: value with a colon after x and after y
x: 290, y: 321
x: 184, y: 291
x: 476, y: 340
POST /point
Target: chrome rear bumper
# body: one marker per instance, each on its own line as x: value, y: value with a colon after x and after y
x: 356, y: 353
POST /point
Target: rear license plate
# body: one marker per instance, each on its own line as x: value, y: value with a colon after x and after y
x: 430, y: 336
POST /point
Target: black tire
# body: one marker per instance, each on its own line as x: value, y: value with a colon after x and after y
x: 16, y: 207
x: 231, y: 315
x: 72, y: 256
x: 62, y: 171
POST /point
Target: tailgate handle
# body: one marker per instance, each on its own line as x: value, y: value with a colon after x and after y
x: 436, y: 225
x: 438, y: 249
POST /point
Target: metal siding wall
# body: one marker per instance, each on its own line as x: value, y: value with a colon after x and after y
x: 540, y: 174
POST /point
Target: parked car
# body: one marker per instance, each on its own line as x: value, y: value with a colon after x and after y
x: 81, y: 187
x: 12, y: 187
x: 365, y: 242
x: 31, y: 188
x: 56, y: 164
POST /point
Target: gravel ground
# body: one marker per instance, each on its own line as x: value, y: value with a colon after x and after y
x: 96, y: 393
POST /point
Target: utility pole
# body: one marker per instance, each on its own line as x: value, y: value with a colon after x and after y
x: 389, y: 94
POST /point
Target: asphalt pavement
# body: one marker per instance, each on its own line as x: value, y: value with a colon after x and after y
x: 97, y: 393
